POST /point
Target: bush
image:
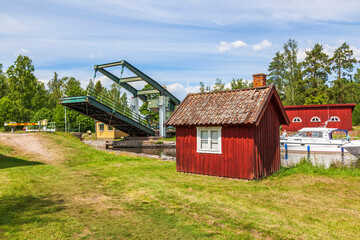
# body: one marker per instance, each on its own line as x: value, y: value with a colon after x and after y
x: 43, y: 113
x: 356, y: 115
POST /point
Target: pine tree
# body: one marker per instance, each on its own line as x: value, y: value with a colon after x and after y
x: 294, y: 85
x: 342, y: 64
x: 316, y: 72
x: 98, y: 87
x: 56, y: 87
x: 3, y: 83
x: 277, y: 73
x: 73, y: 87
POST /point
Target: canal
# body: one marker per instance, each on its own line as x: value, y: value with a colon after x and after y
x: 287, y: 160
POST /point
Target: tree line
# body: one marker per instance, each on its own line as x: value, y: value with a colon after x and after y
x: 23, y: 98
x: 318, y: 79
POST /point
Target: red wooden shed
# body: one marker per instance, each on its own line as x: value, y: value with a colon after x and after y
x: 230, y: 134
x: 337, y: 116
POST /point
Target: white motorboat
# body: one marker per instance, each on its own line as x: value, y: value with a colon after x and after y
x: 320, y: 139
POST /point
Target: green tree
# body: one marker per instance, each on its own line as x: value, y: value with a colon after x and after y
x: 85, y: 123
x: 294, y: 87
x: 239, y: 83
x: 219, y: 86
x: 9, y: 111
x: 353, y: 96
x: 277, y: 73
x: 144, y: 109
x: 114, y: 93
x: 98, y: 87
x: 356, y: 116
x: 316, y: 72
x: 41, y: 114
x: 3, y: 83
x: 202, y: 87
x: 342, y: 64
x: 73, y: 87
x: 56, y: 88
x: 24, y: 88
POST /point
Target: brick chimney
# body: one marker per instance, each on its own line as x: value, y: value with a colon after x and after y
x: 259, y: 79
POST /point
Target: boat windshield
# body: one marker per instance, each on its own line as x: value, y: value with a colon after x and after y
x: 312, y: 134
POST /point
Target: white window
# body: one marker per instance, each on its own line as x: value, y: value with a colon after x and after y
x: 101, y: 127
x: 297, y: 119
x: 209, y: 140
x: 315, y: 119
x: 334, y: 119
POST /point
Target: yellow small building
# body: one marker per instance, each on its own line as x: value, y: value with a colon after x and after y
x: 104, y: 131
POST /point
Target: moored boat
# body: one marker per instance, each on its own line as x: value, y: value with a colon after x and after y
x: 320, y: 139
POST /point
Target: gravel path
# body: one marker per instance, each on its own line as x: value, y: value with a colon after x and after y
x: 28, y: 144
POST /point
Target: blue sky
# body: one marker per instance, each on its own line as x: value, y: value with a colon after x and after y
x: 177, y: 43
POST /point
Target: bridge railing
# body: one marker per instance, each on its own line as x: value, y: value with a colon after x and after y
x: 117, y: 107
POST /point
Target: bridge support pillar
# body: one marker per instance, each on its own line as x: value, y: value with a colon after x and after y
x: 134, y: 105
x: 162, y: 116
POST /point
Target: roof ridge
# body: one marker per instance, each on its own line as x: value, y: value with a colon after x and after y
x: 231, y: 90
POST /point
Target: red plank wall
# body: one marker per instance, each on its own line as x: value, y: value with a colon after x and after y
x: 306, y: 113
x: 267, y: 144
x: 247, y: 151
x: 236, y: 160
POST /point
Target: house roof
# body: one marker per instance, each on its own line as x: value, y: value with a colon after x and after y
x: 341, y: 105
x: 241, y: 106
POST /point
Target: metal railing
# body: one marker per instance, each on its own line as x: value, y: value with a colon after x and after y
x: 117, y: 107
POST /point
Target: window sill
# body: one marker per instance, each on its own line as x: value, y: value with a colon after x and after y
x: 208, y: 151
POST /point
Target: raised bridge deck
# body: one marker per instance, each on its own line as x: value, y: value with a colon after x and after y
x: 105, y: 110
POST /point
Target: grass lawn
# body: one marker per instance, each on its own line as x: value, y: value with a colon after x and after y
x: 90, y: 194
x: 169, y: 139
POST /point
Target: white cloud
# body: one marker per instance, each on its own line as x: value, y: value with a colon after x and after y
x: 227, y: 46
x: 265, y: 44
x: 95, y: 55
x: 302, y: 54
x: 329, y: 50
x: 179, y: 91
x: 10, y: 24
x: 23, y: 50
x: 356, y: 52
x: 44, y: 81
x: 226, y: 12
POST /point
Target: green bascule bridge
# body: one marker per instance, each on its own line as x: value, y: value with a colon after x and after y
x: 99, y: 107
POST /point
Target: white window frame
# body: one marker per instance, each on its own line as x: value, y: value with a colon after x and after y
x: 312, y: 119
x: 296, y: 118
x: 338, y: 119
x: 209, y: 129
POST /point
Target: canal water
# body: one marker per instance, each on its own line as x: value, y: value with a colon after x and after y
x: 287, y: 160
x: 161, y: 152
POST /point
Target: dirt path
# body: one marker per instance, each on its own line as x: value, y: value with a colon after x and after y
x: 31, y: 144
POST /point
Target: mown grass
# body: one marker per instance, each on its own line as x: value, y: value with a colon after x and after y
x: 99, y: 195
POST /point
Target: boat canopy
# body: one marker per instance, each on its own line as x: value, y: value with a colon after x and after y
x: 339, y: 130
